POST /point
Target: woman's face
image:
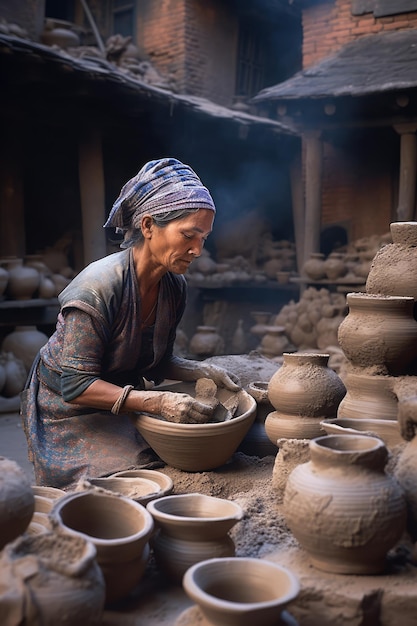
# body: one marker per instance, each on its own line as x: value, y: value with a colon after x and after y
x: 181, y: 241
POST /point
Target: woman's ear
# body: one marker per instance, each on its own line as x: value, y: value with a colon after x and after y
x: 147, y: 226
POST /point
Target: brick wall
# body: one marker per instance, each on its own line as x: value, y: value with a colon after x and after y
x: 330, y: 25
x: 192, y: 42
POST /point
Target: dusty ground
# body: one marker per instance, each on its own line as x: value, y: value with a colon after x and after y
x: 256, y: 484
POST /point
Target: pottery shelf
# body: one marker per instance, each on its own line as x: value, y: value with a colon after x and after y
x: 34, y: 311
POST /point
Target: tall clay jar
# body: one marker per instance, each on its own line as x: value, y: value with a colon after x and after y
x: 356, y: 512
x: 379, y: 330
x: 394, y: 266
x: 303, y: 391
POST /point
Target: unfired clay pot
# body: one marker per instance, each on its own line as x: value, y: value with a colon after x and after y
x: 368, y: 396
x: 314, y: 267
x: 274, y: 342
x: 241, y: 591
x: 190, y: 528
x: 15, y: 375
x: 356, y: 512
x: 406, y: 474
x: 118, y: 527
x: 379, y: 330
x: 50, y: 579
x: 395, y: 265
x: 387, y: 430
x: 303, y: 391
x: 24, y: 342
x: 17, y: 502
x: 23, y: 280
x: 335, y: 266
x: 198, y: 447
x: 206, y: 342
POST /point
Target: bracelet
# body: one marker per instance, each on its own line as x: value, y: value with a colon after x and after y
x: 121, y: 399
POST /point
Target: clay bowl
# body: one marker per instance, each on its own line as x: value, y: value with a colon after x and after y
x: 387, y: 430
x: 163, y: 481
x: 240, y: 591
x: 118, y: 527
x: 138, y: 489
x: 198, y: 447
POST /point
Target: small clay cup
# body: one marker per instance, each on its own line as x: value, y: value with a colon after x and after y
x: 241, y: 591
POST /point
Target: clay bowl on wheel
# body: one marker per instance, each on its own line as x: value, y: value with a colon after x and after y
x: 198, y: 447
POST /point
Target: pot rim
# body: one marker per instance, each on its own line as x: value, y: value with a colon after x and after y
x: 240, y: 563
x: 154, y: 509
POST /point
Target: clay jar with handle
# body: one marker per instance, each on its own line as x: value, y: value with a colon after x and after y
x: 379, y: 331
x: 50, y: 579
x: 17, y: 502
x: 356, y: 512
x: 118, y: 527
x: 190, y: 528
x: 303, y: 391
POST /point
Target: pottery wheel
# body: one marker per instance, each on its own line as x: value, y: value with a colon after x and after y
x: 194, y: 617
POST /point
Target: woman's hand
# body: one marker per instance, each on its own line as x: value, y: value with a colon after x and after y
x: 221, y: 377
x: 182, y: 408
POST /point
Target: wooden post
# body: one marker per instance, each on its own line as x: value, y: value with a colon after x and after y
x: 92, y: 194
x: 408, y: 172
x: 298, y: 212
x: 313, y: 187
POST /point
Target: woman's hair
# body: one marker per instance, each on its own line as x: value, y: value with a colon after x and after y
x: 134, y: 236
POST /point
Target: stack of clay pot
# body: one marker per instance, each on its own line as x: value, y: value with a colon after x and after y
x: 31, y: 277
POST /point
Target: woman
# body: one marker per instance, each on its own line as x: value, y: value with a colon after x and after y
x: 117, y: 326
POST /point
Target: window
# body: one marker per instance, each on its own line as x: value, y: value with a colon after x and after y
x: 123, y: 18
x: 251, y: 62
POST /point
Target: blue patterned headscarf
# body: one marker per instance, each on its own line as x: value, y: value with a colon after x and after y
x: 161, y: 186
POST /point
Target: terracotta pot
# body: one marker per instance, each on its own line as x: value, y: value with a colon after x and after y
x: 303, y: 391
x: 51, y: 578
x: 23, y: 280
x: 368, y: 396
x: 17, y: 502
x: 314, y: 267
x: 387, y: 430
x: 241, y: 591
x: 24, y: 342
x: 118, y: 527
x: 198, y: 447
x: 395, y: 264
x: 190, y: 528
x: 356, y: 512
x: 379, y: 330
x: 206, y: 342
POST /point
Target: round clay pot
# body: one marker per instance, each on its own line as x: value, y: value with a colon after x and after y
x: 118, y: 527
x: 356, y: 512
x: 61, y: 37
x: 314, y: 267
x: 24, y: 342
x: 241, y: 591
x: 23, y: 280
x: 17, y: 502
x: 335, y: 266
x: 206, y: 342
x: 368, y: 396
x: 303, y: 391
x: 274, y: 342
x: 141, y: 489
x: 261, y: 318
x: 387, y: 430
x: 60, y: 576
x: 379, y: 330
x: 190, y: 528
x: 198, y: 447
x: 15, y: 375
x: 395, y: 264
